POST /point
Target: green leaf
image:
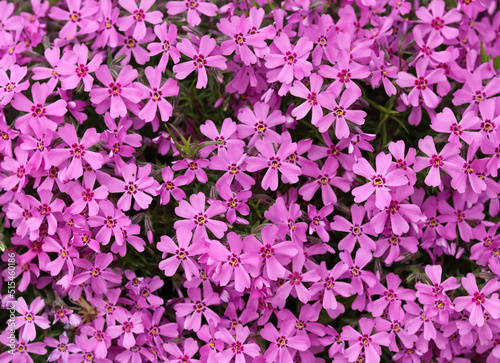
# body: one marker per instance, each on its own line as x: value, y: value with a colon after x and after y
x: 484, y: 56
x: 496, y: 63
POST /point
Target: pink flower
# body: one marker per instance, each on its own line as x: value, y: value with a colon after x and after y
x: 224, y: 139
x: 434, y: 19
x: 358, y: 232
x: 78, y: 150
x: 37, y: 111
x: 330, y: 286
x: 111, y: 222
x: 289, y: 62
x: 232, y: 161
x: 140, y: 16
x: 446, y: 122
x: 200, y: 219
x: 28, y: 318
x: 117, y: 96
x: 274, y: 161
x: 171, y: 186
x: 10, y: 85
x: 179, y: 356
x: 243, y: 36
x: 445, y: 159
x: 318, y: 220
x: 366, y: 342
x: 236, y: 345
x: 311, y: 96
x: 72, y: 74
x: 381, y: 181
x: 65, y: 253
x: 259, y: 123
x: 422, y: 84
x: 130, y: 324
x: 167, y: 38
x: 98, y: 273
x: 196, y: 308
x: 136, y: 183
x: 78, y: 16
x: 477, y: 302
x: 282, y: 341
x: 194, y: 7
x: 201, y: 58
x: 85, y: 196
x: 183, y: 253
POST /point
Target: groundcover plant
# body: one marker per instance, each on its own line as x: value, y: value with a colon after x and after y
x: 249, y: 181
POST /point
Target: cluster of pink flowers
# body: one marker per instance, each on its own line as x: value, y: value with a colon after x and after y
x: 264, y: 181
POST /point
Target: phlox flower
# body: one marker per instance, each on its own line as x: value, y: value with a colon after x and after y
x: 286, y: 218
x: 62, y: 348
x: 381, y: 181
x: 224, y: 139
x: 29, y: 318
x: 489, y: 120
x: 22, y: 349
x: 47, y: 211
x: 116, y: 96
x: 37, y: 111
x: 422, y: 84
x: 130, y: 324
x: 393, y: 294
x: 38, y: 144
x: 446, y: 122
x: 381, y: 72
x: 434, y: 20
x: 358, y: 232
x: 259, y: 123
x: 473, y: 92
x: 166, y: 46
x: 197, y: 307
x: 183, y: 253
x: 478, y: 302
x: 156, y: 328
x: 19, y: 169
x: 136, y: 184
x: 397, y: 149
x: 458, y: 215
x: 194, y: 8
x: 394, y: 244
x: 98, y: 273
x: 244, y: 34
x: 72, y: 74
x: 111, y: 221
x: 171, y: 186
x: 237, y: 348
x: 359, y: 277
x: 311, y: 96
x: 318, y: 220
x: 201, y: 56
x: 288, y: 62
x: 200, y: 219
x: 10, y: 85
x: 139, y: 17
x: 330, y: 286
x: 85, y: 196
x: 106, y: 33
x: 366, y: 342
x: 230, y: 264
x: 282, y: 341
x: 131, y: 47
x: 274, y: 161
x: 446, y: 159
x: 235, y: 203
x: 272, y: 254
x: 77, y: 16
x: 340, y: 112
x: 65, y: 253
x: 393, y: 323
x: 99, y: 340
x: 78, y: 150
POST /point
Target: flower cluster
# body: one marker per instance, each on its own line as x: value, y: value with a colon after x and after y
x: 265, y: 181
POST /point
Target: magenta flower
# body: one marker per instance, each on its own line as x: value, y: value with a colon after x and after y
x: 319, y: 223
x: 243, y: 36
x: 65, y: 253
x: 194, y: 8
x: 446, y: 159
x: 259, y: 123
x: 326, y: 179
x: 282, y: 341
x: 37, y: 111
x: 156, y: 95
x: 274, y: 161
x: 478, y: 302
x: 422, y: 84
x: 446, y: 122
x: 171, y: 186
x: 99, y: 339
x: 117, y: 96
x: 130, y: 324
x: 77, y: 16
x: 78, y: 150
x: 196, y: 308
x: 394, y: 244
x: 47, y: 211
x: 473, y: 92
x: 434, y: 19
x: 232, y: 161
x: 365, y: 342
x: 202, y: 57
x: 72, y: 74
x: 98, y: 273
x: 185, y: 355
x: 358, y: 232
x: 393, y: 294
x: 311, y: 96
x: 111, y: 222
x: 85, y: 196
x: 289, y: 62
x: 235, y: 203
x: 138, y: 18
x: 381, y: 181
x: 224, y: 139
x: 183, y: 253
x: 29, y: 319
x: 10, y: 85
x: 136, y: 183
x: 166, y: 46
x: 19, y: 170
x: 200, y: 219
x: 330, y: 286
x: 236, y: 347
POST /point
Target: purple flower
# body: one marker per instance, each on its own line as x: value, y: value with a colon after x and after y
x: 358, y: 232
x: 72, y: 74
x: 282, y: 341
x: 196, y: 308
x: 166, y: 46
x: 28, y: 318
x: 139, y: 17
x: 130, y: 324
x: 201, y: 56
x: 237, y: 348
x: 97, y: 273
x: 194, y: 7
x: 365, y: 342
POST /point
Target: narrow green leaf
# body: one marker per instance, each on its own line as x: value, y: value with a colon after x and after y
x: 484, y: 56
x: 496, y: 63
